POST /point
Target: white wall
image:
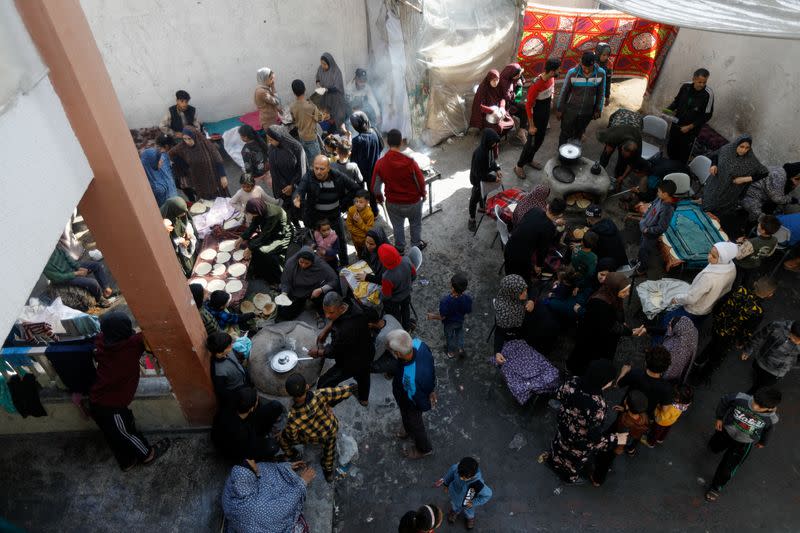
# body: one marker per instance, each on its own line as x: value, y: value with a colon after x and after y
x: 44, y: 174
x: 213, y: 49
x: 755, y: 82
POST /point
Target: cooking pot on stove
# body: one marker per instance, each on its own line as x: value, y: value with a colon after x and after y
x: 569, y: 153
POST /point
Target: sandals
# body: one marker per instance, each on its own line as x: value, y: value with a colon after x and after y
x: 712, y: 495
x: 413, y: 453
x: 159, y: 448
x: 401, y: 435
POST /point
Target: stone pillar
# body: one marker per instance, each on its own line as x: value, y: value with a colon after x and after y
x: 119, y: 207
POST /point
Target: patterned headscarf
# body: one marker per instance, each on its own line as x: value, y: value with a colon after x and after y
x: 536, y: 198
x: 681, y: 341
x: 509, y: 309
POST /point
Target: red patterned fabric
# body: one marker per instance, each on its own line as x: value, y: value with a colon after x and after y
x: 638, y: 46
x: 504, y: 199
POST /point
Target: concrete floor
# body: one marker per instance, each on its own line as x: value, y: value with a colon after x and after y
x: 70, y: 482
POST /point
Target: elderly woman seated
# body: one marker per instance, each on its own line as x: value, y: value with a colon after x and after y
x: 306, y: 277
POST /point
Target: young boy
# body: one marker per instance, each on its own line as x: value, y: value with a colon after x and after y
x: 649, y: 381
x: 396, y: 284
x: 584, y: 260
x: 306, y: 116
x: 603, y: 53
x: 752, y: 251
x: 343, y: 163
x: 360, y: 220
x: 227, y: 373
x: 464, y: 483
x: 776, y: 349
x: 311, y: 420
x: 633, y: 420
x: 217, y: 306
x: 742, y: 421
x: 452, y: 309
x: 326, y: 122
x: 654, y: 223
x: 327, y: 243
x: 667, y: 415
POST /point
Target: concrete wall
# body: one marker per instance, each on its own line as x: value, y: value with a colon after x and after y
x: 755, y: 83
x: 212, y: 49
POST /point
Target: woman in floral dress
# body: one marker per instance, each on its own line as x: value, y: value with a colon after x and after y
x: 580, y: 422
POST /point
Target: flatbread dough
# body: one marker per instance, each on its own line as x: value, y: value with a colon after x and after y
x: 238, y: 255
x: 216, y: 285
x: 231, y: 223
x: 203, y: 269
x: 208, y: 254
x: 261, y: 299
x: 247, y: 307
x: 199, y: 281
x: 223, y: 257
x: 227, y: 246
x: 237, y: 269
x: 218, y: 270
x: 269, y: 309
x: 198, y: 208
x: 233, y: 286
x: 583, y: 203
x: 283, y: 300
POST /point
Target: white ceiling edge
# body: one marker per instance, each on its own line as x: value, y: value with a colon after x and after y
x: 778, y: 19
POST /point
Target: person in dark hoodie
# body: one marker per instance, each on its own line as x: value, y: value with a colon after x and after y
x: 367, y: 148
x: 396, y: 284
x: 603, y: 53
x: 610, y: 244
x: 654, y: 223
x: 484, y: 167
x: 117, y: 353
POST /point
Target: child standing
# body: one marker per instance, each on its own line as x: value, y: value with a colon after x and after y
x: 667, y: 415
x: 742, y: 421
x: 396, y: 284
x: 633, y: 420
x: 654, y: 223
x: 343, y: 163
x: 452, y: 309
x: 584, y: 260
x: 752, y: 251
x: 327, y: 243
x: 311, y: 420
x: 360, y: 220
x: 464, y: 483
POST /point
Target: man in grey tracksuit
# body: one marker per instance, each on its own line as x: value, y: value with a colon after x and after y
x: 776, y: 349
x: 582, y: 97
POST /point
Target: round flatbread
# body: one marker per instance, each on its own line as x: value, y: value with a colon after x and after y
x: 583, y: 203
x: 231, y: 223
x: 218, y: 270
x: 198, y: 208
x: 215, y: 285
x: 578, y: 233
x: 223, y: 257
x: 238, y: 255
x: 233, y: 286
x: 261, y: 300
x: 237, y: 269
x: 227, y: 246
x: 208, y: 254
x: 283, y: 300
x: 247, y: 307
x: 269, y: 309
x: 203, y: 269
x: 199, y: 281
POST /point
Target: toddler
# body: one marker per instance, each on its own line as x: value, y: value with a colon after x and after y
x: 453, y: 307
x: 667, y: 415
x: 327, y: 243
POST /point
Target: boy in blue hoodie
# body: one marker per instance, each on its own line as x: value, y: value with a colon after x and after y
x: 654, y: 223
x: 464, y: 483
x: 453, y: 307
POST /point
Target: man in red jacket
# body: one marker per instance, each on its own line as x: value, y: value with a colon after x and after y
x: 117, y: 352
x: 405, y: 191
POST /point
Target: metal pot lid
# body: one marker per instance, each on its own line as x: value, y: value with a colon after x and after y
x: 283, y: 361
x: 569, y: 151
x: 563, y: 174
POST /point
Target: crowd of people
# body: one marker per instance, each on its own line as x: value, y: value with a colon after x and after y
x: 314, y: 177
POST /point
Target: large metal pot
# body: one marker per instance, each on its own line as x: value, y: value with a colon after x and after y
x: 569, y: 153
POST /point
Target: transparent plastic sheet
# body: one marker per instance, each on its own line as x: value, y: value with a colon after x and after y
x: 459, y: 41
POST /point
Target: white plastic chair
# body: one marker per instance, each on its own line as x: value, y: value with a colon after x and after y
x: 415, y: 256
x: 700, y: 167
x: 683, y: 183
x: 502, y: 231
x: 486, y: 188
x: 655, y: 127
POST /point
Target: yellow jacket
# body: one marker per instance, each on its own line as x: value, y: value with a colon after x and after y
x: 358, y: 230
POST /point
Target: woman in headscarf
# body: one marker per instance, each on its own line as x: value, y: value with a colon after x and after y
x: 287, y: 166
x: 733, y: 167
x: 774, y: 192
x: 510, y: 307
x: 254, y: 152
x: 183, y: 236
x: 536, y: 198
x: 681, y: 342
x: 484, y: 167
x: 330, y: 81
x: 267, y: 239
x: 708, y: 286
x: 511, y: 81
x: 266, y: 99
x: 581, y: 418
x: 366, y: 150
x: 306, y: 277
x: 362, y: 98
x: 270, y: 502
x: 159, y: 174
x: 602, y: 324
x: 487, y: 95
x: 369, y: 253
x: 205, y: 173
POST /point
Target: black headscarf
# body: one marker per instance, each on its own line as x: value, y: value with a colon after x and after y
x: 116, y: 327
x: 483, y: 156
x: 256, y: 206
x: 791, y: 169
x: 600, y: 373
x: 198, y: 293
x: 287, y: 161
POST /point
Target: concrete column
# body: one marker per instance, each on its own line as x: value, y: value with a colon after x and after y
x: 119, y: 207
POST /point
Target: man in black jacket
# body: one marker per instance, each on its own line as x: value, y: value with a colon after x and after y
x: 326, y: 193
x: 610, y: 244
x: 693, y: 107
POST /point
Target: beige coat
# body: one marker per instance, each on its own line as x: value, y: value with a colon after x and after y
x: 268, y: 105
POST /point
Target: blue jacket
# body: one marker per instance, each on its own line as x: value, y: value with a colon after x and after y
x: 657, y: 218
x: 453, y: 309
x: 457, y: 488
x: 415, y: 380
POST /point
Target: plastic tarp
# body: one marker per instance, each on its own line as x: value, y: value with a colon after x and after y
x: 765, y: 18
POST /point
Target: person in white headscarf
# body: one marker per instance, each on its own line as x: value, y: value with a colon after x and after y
x: 266, y: 99
x: 711, y: 284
